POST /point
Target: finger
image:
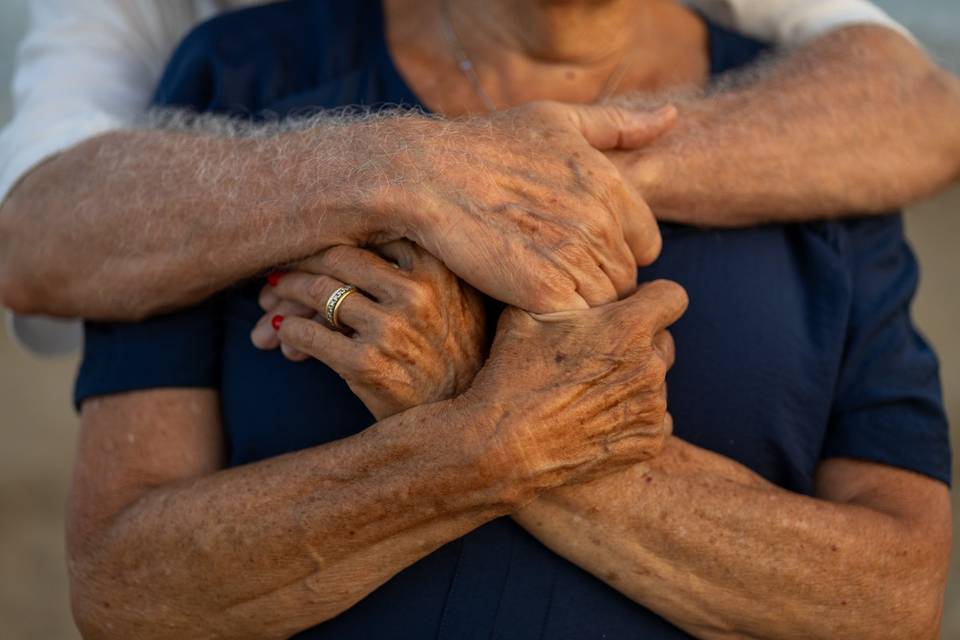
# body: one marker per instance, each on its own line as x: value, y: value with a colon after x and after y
x: 414, y: 258
x: 403, y: 253
x: 667, y: 426
x: 623, y: 271
x: 264, y: 335
x: 315, y: 339
x: 608, y: 127
x: 360, y: 267
x: 663, y: 343
x: 268, y: 299
x: 356, y: 310
x: 594, y: 285
x: 660, y: 303
x: 640, y: 228
x: 292, y: 354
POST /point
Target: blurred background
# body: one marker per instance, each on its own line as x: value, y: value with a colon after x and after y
x: 38, y: 426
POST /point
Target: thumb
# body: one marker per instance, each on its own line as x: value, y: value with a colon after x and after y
x: 608, y: 127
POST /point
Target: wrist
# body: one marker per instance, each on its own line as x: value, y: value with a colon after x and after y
x: 503, y: 470
x: 397, y: 196
x: 446, y: 444
x: 349, y: 185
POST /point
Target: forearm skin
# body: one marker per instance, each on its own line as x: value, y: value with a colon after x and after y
x: 858, y: 121
x: 136, y: 222
x: 269, y: 549
x: 722, y: 553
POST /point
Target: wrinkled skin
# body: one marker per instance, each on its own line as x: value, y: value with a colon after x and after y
x: 570, y: 394
x: 589, y: 386
x: 525, y: 206
x: 415, y: 333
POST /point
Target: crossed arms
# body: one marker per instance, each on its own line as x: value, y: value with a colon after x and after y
x: 580, y: 455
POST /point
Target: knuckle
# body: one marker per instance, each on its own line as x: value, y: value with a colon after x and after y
x: 418, y: 295
x: 652, y: 246
x: 656, y: 369
x: 318, y: 290
x: 667, y: 290
x: 367, y: 362
x: 658, y: 408
x: 302, y: 335
x: 336, y: 256
x: 390, y: 327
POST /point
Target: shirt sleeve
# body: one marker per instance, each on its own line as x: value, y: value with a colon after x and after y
x: 84, y: 67
x: 790, y: 23
x: 180, y: 349
x: 888, y: 406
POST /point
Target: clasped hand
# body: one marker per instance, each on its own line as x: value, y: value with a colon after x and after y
x: 567, y: 395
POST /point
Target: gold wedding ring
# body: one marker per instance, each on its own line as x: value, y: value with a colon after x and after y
x: 333, y: 304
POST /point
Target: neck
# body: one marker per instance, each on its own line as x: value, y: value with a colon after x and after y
x: 577, y: 51
x: 585, y: 32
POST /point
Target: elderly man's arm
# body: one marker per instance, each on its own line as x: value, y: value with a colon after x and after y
x: 721, y: 552
x: 135, y: 222
x: 858, y: 120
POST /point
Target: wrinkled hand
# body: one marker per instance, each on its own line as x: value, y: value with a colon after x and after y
x: 524, y: 205
x: 416, y: 332
x: 577, y: 394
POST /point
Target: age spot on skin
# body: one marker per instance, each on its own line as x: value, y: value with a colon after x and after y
x: 578, y: 182
x: 559, y: 357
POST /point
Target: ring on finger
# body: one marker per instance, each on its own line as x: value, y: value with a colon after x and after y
x: 332, y: 308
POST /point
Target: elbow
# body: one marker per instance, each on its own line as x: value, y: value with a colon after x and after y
x: 99, y: 600
x: 930, y: 92
x: 90, y: 607
x: 103, y: 606
x: 19, y: 289
x: 16, y: 292
x: 946, y: 87
x: 918, y: 618
x: 927, y: 98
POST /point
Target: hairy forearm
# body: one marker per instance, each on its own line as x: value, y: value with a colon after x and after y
x: 268, y: 549
x: 722, y: 553
x: 859, y: 120
x: 139, y: 221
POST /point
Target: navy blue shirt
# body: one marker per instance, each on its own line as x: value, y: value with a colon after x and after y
x: 797, y: 346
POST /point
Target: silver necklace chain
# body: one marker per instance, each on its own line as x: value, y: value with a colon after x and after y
x: 468, y: 68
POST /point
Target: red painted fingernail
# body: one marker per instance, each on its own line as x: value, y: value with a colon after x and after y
x: 276, y: 321
x: 274, y: 278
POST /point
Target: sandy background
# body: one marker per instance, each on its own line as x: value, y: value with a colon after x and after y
x: 38, y: 426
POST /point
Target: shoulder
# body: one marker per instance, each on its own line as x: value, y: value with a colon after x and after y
x: 243, y: 60
x: 731, y: 50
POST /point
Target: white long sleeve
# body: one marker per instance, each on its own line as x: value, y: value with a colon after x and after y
x: 86, y: 67
x: 789, y: 23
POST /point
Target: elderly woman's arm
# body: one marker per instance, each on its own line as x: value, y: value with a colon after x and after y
x: 720, y: 552
x: 859, y: 120
x: 164, y: 543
